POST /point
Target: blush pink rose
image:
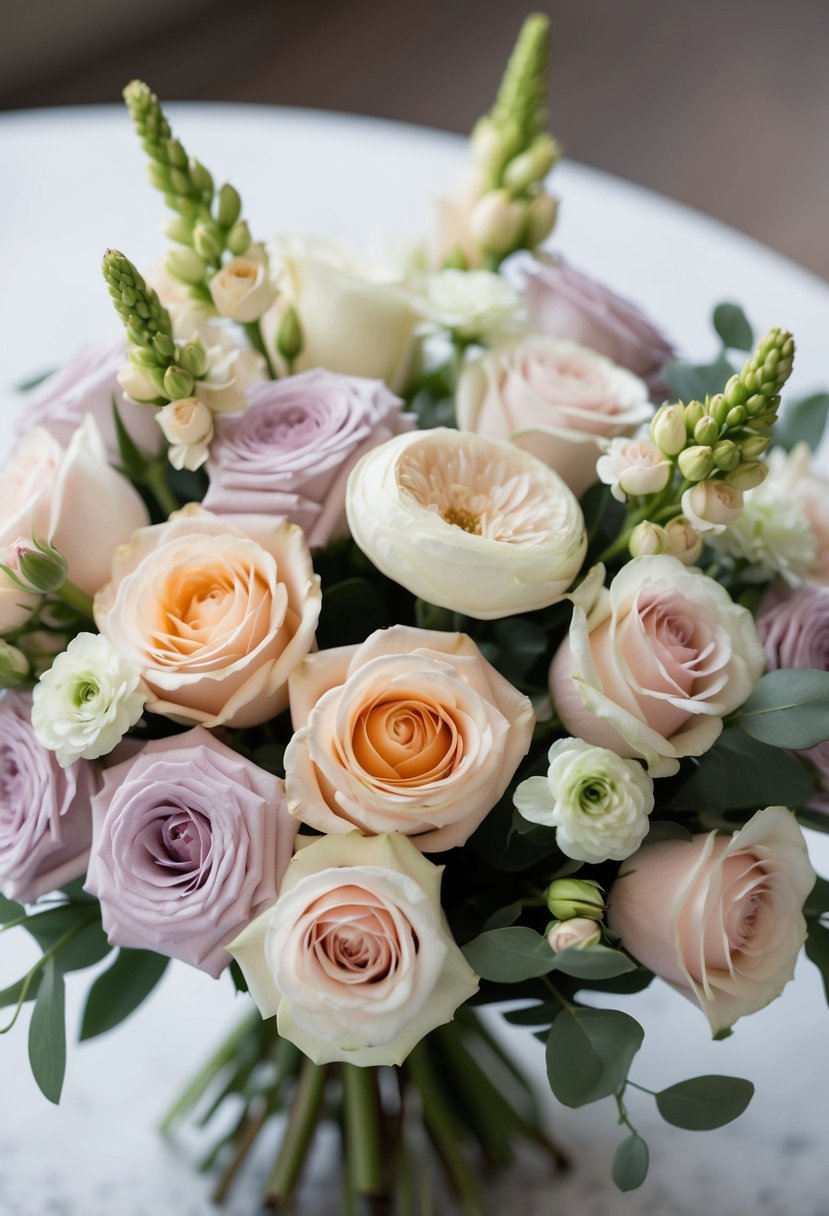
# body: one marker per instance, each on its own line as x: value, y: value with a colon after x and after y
x: 412, y: 731
x: 291, y: 451
x: 651, y: 667
x: 191, y: 843
x: 555, y: 399
x: 45, y: 817
x: 215, y: 611
x: 720, y: 918
x: 565, y: 303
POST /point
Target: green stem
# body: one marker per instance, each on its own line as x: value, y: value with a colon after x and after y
x: 155, y: 480
x: 303, y: 1117
x: 203, y: 1078
x: 245, y: 1141
x: 41, y: 963
x: 79, y: 600
x: 562, y: 1000
x: 253, y: 329
x: 361, y: 1102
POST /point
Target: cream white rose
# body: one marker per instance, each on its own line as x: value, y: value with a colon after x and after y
x: 466, y: 523
x: 216, y: 611
x: 553, y: 398
x: 598, y: 802
x: 720, y: 918
x: 651, y: 667
x: 242, y: 289
x: 355, y: 958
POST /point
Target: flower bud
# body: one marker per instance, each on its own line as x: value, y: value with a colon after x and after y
x: 735, y: 391
x: 14, y: 666
x: 753, y: 449
x: 159, y: 176
x: 540, y: 219
x: 164, y: 346
x: 668, y: 429
x: 682, y: 541
x: 718, y: 408
x: 200, y: 177
x: 238, y: 240
x: 578, y: 933
x: 455, y: 260
x: 177, y: 383
x: 726, y: 455
x: 496, y: 222
x: 569, y: 897
x: 735, y: 416
x: 180, y: 230
x: 140, y: 382
x: 531, y: 166
x: 193, y: 358
x: 706, y: 431
x: 185, y: 265
x: 42, y: 568
x: 229, y: 206
x: 289, y: 335
x: 646, y: 539
x: 206, y: 244
x: 176, y: 155
x: 188, y: 428
x: 748, y: 475
x: 756, y: 404
x: 490, y: 149
x: 696, y: 463
x: 693, y: 413
x: 712, y: 506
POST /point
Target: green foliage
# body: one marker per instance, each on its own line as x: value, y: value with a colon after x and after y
x: 818, y: 901
x: 704, y: 1103
x: 630, y: 1164
x: 664, y: 829
x: 803, y: 422
x: 741, y: 772
x: 589, y: 1053
x: 817, y: 949
x: 47, y: 1033
x: 120, y: 990
x: 694, y: 382
x: 351, y: 610
x: 733, y: 327
x: 788, y: 708
x: 516, y: 953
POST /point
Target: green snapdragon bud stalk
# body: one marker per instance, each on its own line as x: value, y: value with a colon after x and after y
x: 137, y: 305
x: 522, y: 96
x: 758, y: 386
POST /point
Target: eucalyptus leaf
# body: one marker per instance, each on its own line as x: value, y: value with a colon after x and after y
x: 817, y: 949
x: 740, y: 772
x: 788, y: 708
x: 803, y: 422
x: 594, y: 963
x: 121, y: 989
x: 704, y: 1103
x: 9, y: 910
x: 502, y: 918
x: 509, y: 955
x: 733, y: 327
x: 540, y: 1014
x: 630, y: 1164
x: 693, y: 382
x: 589, y: 1053
x: 818, y: 900
x: 47, y: 1033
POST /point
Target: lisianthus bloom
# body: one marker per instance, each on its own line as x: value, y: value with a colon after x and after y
x: 412, y: 731
x: 466, y: 523
x: 190, y: 843
x: 653, y: 665
x: 552, y: 398
x: 290, y: 452
x: 216, y: 612
x: 45, y: 817
x: 474, y: 305
x: 598, y: 802
x: 718, y: 917
x: 355, y: 959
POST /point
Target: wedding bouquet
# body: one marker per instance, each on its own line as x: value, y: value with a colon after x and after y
x: 395, y: 641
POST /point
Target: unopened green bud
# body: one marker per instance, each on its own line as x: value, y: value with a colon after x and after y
x: 755, y: 405
x: 200, y: 177
x: 706, y: 430
x: 726, y: 455
x: 735, y: 392
x: 186, y: 265
x: 491, y: 146
x: 42, y: 568
x: 193, y: 358
x: 764, y: 423
x: 176, y: 156
x: 696, y: 463
x: 540, y: 219
x: 753, y: 449
x: 748, y: 475
x: 14, y: 666
x: 229, y: 207
x: 178, y: 383
x: 238, y: 240
x: 180, y: 230
x: 647, y: 539
x: 693, y: 413
x: 531, y: 166
x: 496, y: 222
x: 164, y: 346
x: 668, y: 429
x: 289, y: 336
x: 735, y: 417
x: 206, y: 244
x: 568, y: 897
x: 159, y: 176
x: 456, y: 259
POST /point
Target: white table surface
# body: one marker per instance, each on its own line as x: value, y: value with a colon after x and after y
x: 73, y: 184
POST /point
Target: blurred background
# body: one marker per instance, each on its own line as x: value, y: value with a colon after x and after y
x: 722, y: 104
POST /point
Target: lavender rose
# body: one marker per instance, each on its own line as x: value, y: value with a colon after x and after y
x: 290, y: 453
x: 567, y: 304
x: 45, y: 819
x: 191, y: 842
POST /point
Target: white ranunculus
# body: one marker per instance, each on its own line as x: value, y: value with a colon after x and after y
x: 87, y: 700
x: 466, y: 523
x: 475, y: 305
x: 188, y: 428
x: 598, y: 803
x: 242, y: 289
x: 355, y: 958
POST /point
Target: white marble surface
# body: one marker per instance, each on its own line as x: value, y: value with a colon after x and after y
x: 72, y: 184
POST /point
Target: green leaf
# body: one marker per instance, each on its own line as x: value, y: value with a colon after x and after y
x: 630, y: 1164
x: 26, y: 386
x: 594, y: 963
x: 818, y: 900
x: 9, y: 910
x: 11, y: 995
x: 817, y: 949
x: 540, y: 1014
x: 47, y: 1033
x: 351, y: 610
x: 510, y: 955
x: 742, y: 772
x: 664, y: 829
x: 690, y: 382
x: 788, y: 708
x: 134, y: 462
x: 733, y: 327
x: 589, y: 1053
x: 704, y: 1103
x: 120, y: 990
x: 803, y: 422
x: 502, y: 918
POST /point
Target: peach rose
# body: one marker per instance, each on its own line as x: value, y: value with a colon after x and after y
x: 216, y: 612
x: 553, y: 398
x: 412, y: 731
x: 718, y: 917
x: 653, y: 665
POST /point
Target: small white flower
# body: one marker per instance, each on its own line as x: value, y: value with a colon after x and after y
x: 87, y: 700
x: 188, y: 428
x: 578, y: 933
x: 632, y: 467
x: 476, y: 305
x: 598, y: 802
